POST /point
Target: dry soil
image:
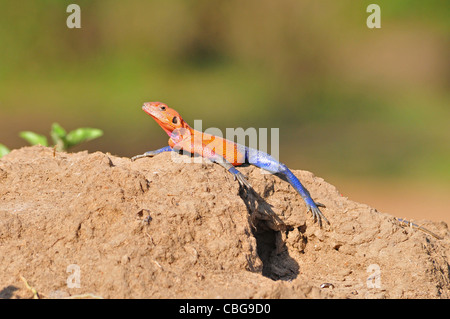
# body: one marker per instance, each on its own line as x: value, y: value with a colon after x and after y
x: 99, y: 225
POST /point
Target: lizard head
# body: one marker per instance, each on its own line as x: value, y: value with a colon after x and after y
x: 167, y: 118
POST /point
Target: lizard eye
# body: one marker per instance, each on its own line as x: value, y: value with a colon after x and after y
x: 162, y: 108
x: 175, y: 120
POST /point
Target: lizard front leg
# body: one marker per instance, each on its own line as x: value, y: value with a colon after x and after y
x: 152, y: 153
x: 229, y: 167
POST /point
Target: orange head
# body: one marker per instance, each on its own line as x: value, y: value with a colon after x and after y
x: 167, y: 118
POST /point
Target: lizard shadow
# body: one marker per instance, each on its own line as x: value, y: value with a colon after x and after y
x: 267, y: 229
x: 277, y: 264
x: 8, y: 292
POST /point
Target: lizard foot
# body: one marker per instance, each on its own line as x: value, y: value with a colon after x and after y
x: 239, y: 176
x: 137, y: 157
x: 146, y: 154
x: 317, y: 214
x: 242, y: 180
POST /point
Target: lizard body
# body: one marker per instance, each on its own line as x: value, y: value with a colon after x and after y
x: 221, y: 151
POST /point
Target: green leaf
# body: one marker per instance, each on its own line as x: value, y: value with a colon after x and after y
x: 58, y: 131
x: 33, y: 138
x: 58, y: 135
x: 3, y: 150
x: 83, y: 134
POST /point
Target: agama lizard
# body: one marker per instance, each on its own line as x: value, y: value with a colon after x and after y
x: 222, y: 151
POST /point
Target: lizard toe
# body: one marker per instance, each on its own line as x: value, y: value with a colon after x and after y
x: 317, y: 214
x: 242, y: 180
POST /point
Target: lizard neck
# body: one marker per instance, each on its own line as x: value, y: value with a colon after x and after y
x: 190, y: 129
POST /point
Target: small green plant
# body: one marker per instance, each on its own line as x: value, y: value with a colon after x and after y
x: 3, y: 150
x: 61, y: 139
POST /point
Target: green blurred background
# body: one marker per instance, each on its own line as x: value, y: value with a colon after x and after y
x: 366, y: 109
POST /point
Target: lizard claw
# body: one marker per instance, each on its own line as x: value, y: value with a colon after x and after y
x: 146, y: 154
x: 136, y: 157
x: 317, y: 214
x: 242, y: 180
x: 240, y: 177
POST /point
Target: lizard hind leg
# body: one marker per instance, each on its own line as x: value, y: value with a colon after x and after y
x: 268, y: 163
x: 311, y: 205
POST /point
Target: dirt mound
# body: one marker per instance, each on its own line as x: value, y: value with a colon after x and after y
x: 74, y: 224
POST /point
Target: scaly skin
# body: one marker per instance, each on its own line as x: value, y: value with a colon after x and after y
x: 219, y: 150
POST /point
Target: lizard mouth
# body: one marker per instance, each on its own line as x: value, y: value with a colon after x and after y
x: 152, y: 112
x: 158, y: 117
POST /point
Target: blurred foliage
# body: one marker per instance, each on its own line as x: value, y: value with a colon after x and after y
x: 63, y: 141
x: 34, y: 138
x: 3, y: 150
x: 348, y: 100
